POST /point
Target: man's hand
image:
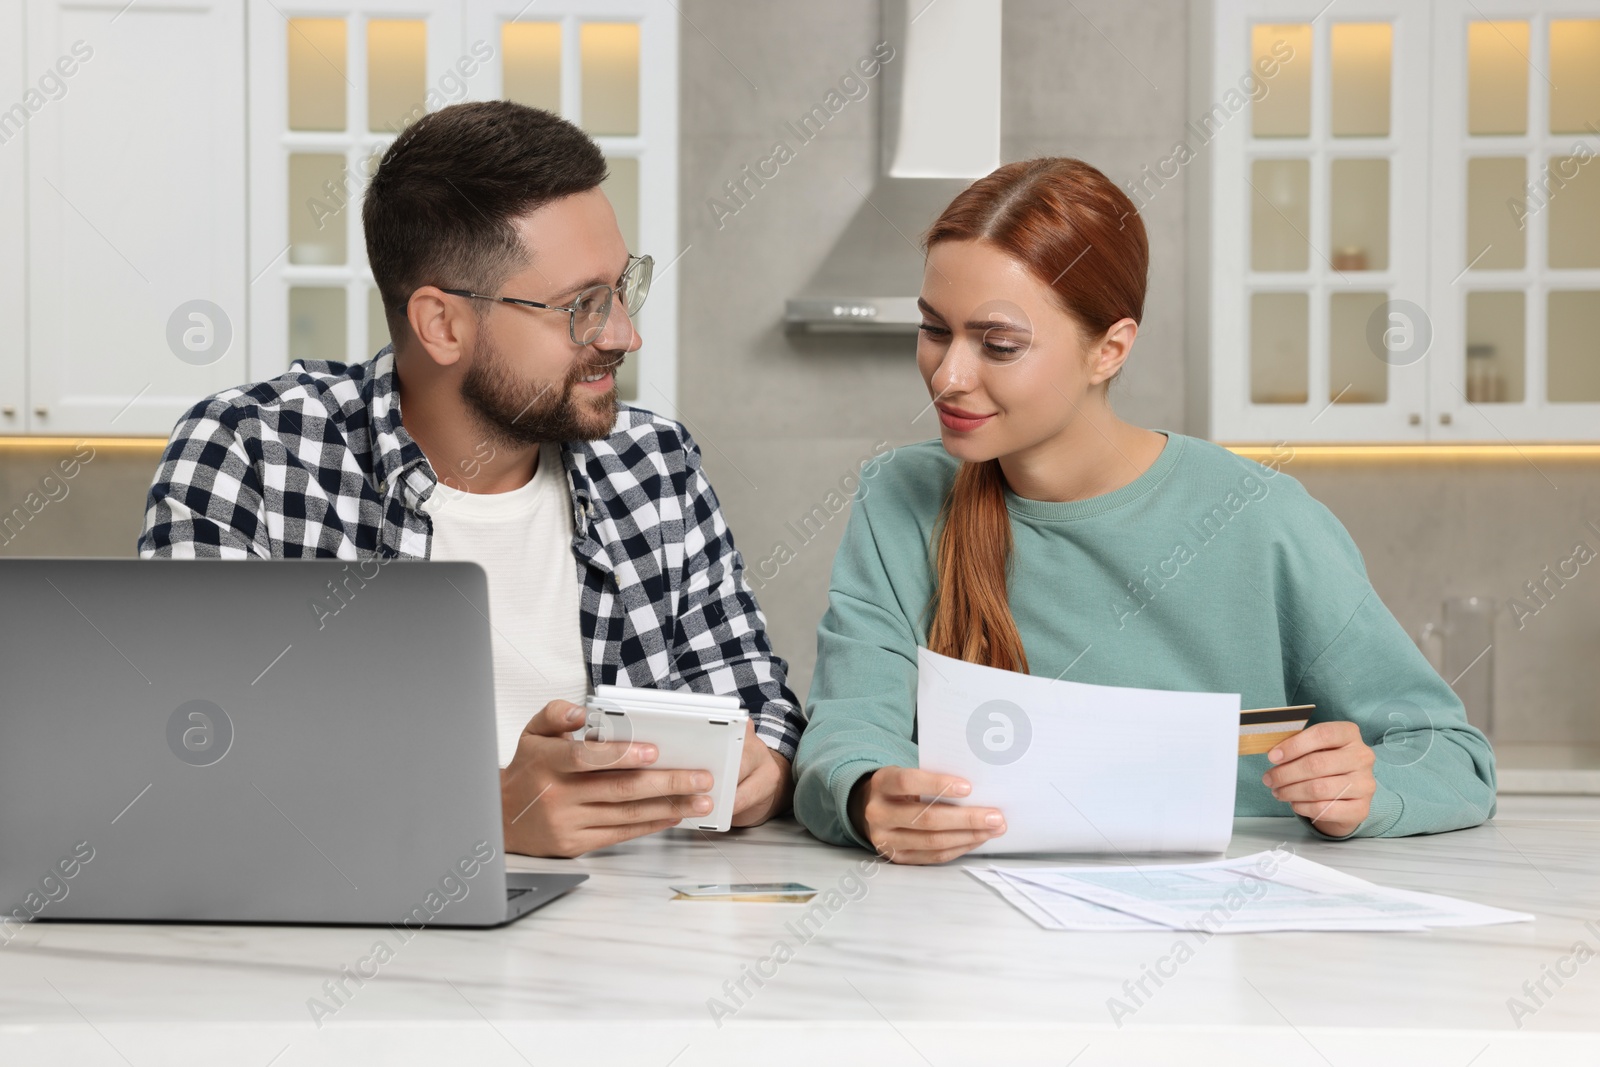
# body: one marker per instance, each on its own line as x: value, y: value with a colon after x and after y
x: 561, y: 797
x: 765, y: 783
x: 1325, y: 772
x: 887, y: 809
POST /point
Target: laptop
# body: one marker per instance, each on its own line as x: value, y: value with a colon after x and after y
x: 265, y: 741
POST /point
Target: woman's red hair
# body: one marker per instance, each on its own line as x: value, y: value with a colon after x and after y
x: 1080, y: 235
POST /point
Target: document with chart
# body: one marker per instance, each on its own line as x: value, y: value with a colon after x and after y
x: 1275, y: 890
x: 1078, y: 767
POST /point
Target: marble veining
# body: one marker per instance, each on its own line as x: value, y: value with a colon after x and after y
x: 926, y: 951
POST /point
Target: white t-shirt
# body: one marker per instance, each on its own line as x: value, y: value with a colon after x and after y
x: 523, y: 540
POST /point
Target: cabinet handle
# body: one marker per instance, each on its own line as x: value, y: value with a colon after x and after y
x: 9, y: 411
x: 41, y: 411
x: 1414, y: 419
x: 1444, y: 418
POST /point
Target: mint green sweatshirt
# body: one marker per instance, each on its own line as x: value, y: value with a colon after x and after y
x: 1208, y: 573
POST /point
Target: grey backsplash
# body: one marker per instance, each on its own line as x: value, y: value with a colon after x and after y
x: 782, y: 419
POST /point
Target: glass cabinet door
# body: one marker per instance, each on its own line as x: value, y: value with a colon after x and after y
x: 1517, y: 224
x: 1404, y: 221
x: 1319, y: 188
x: 333, y: 82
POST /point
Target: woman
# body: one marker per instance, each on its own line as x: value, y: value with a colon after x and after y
x: 1043, y: 534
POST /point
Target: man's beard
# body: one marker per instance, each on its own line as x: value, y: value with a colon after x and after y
x: 529, y: 413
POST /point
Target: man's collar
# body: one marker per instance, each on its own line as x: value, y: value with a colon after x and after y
x: 399, y: 460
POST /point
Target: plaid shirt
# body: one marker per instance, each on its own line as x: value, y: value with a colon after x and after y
x: 316, y: 463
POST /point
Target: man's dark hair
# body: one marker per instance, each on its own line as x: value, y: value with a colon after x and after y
x: 439, y: 210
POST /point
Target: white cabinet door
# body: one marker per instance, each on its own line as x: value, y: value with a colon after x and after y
x: 1316, y: 126
x: 14, y: 116
x: 1517, y: 214
x: 136, y: 212
x: 1492, y: 276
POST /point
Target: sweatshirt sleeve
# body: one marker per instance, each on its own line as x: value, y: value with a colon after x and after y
x: 1434, y: 771
x: 863, y: 699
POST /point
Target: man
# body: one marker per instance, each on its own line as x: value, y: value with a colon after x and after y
x: 509, y: 294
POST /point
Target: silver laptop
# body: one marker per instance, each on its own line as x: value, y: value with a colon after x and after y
x: 288, y: 741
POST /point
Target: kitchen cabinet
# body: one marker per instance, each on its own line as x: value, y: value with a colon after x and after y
x: 1396, y: 223
x: 333, y: 82
x: 14, y: 115
x: 165, y: 233
x: 135, y: 212
x: 1516, y: 222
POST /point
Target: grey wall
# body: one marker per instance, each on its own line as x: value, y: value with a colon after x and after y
x: 782, y: 419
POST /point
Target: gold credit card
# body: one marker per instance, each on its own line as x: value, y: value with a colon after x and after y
x: 746, y: 892
x: 753, y: 898
x: 1262, y: 728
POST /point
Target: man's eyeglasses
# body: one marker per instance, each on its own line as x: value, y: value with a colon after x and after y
x: 589, y: 310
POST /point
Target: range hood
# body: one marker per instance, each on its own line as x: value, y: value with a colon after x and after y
x: 940, y: 117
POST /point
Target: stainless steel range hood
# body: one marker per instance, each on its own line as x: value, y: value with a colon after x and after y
x: 940, y: 117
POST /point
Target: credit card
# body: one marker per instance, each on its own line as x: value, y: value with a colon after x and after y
x: 746, y: 892
x: 1262, y: 728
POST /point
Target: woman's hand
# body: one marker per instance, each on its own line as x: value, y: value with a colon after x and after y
x: 886, y: 808
x: 1325, y: 773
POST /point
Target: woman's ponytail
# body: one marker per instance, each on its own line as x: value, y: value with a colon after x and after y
x: 972, y: 612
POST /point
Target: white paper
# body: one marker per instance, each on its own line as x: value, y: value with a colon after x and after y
x: 1058, y: 912
x: 1261, y: 892
x: 1082, y: 768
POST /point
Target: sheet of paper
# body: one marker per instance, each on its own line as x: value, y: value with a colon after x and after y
x: 1265, y: 891
x: 1437, y: 910
x: 1023, y: 903
x: 1058, y: 912
x: 1078, y: 767
x: 1223, y: 900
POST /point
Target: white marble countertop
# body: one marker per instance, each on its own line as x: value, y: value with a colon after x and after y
x: 918, y: 966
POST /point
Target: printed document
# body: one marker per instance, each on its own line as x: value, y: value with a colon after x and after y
x: 1082, y: 768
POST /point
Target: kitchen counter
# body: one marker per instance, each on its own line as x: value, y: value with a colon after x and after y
x: 1543, y: 768
x: 911, y: 966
